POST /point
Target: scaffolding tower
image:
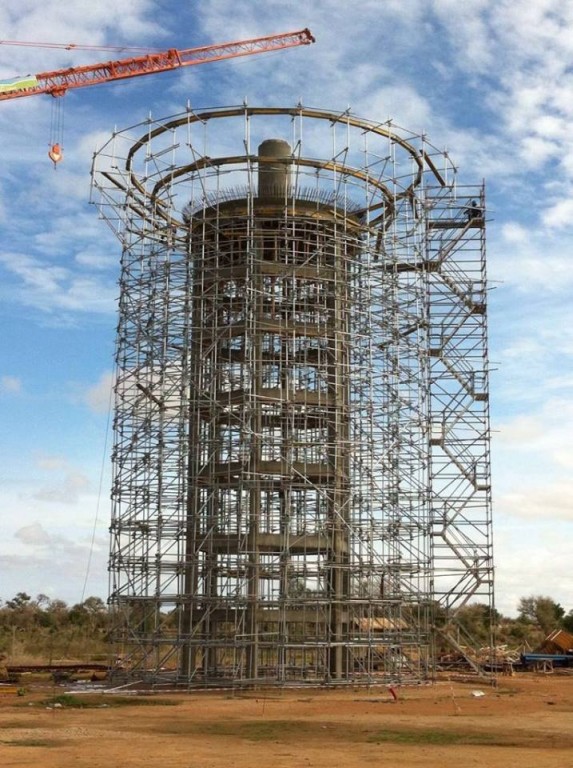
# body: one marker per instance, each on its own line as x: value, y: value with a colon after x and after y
x: 301, y: 472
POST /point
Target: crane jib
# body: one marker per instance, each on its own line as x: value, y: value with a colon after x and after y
x: 58, y: 82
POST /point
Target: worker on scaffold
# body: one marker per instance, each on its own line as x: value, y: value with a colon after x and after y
x: 473, y: 211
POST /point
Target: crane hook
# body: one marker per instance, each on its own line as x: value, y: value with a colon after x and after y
x: 55, y: 154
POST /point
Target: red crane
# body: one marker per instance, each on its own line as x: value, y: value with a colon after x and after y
x: 59, y: 81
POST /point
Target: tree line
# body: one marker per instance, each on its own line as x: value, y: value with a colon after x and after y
x: 50, y: 629
x: 537, y: 617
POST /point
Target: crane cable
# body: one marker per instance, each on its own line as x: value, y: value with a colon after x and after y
x: 56, y: 151
x: 80, y: 46
x: 100, y: 489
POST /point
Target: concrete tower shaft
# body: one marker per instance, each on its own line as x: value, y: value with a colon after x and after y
x: 274, y: 177
x: 269, y: 421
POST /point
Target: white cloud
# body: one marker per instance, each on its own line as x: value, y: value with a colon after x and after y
x: 559, y: 214
x: 54, y: 479
x: 537, y: 150
x: 74, y: 22
x: 554, y: 502
x: 98, y: 397
x: 55, y: 564
x: 54, y: 287
x: 470, y: 30
x: 549, y: 422
x: 522, y: 430
x: 401, y: 103
x: 533, y: 458
x: 50, y: 519
x: 533, y: 257
x: 95, y: 258
x: 69, y: 491
x: 534, y: 562
x: 34, y: 535
x: 51, y: 463
x: 10, y: 385
x: 513, y: 232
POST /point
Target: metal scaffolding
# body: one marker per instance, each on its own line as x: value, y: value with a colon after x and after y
x: 301, y: 457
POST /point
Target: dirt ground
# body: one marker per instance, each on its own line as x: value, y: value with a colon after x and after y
x: 524, y: 722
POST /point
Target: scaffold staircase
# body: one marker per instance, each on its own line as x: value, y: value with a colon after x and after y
x: 459, y: 434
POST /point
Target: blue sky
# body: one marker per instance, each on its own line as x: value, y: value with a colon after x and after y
x: 491, y: 82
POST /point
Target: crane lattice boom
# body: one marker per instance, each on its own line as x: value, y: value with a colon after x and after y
x: 58, y: 82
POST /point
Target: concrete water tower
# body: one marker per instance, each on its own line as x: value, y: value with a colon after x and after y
x: 301, y: 359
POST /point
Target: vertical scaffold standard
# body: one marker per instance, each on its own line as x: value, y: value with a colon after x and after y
x: 301, y: 459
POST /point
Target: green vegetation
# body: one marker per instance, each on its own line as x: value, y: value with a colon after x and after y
x: 537, y: 616
x: 48, y: 630
x: 543, y: 613
x: 65, y: 700
x: 285, y: 731
x: 33, y: 743
x: 263, y: 730
x: 44, y: 629
x: 425, y: 736
x: 93, y: 701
